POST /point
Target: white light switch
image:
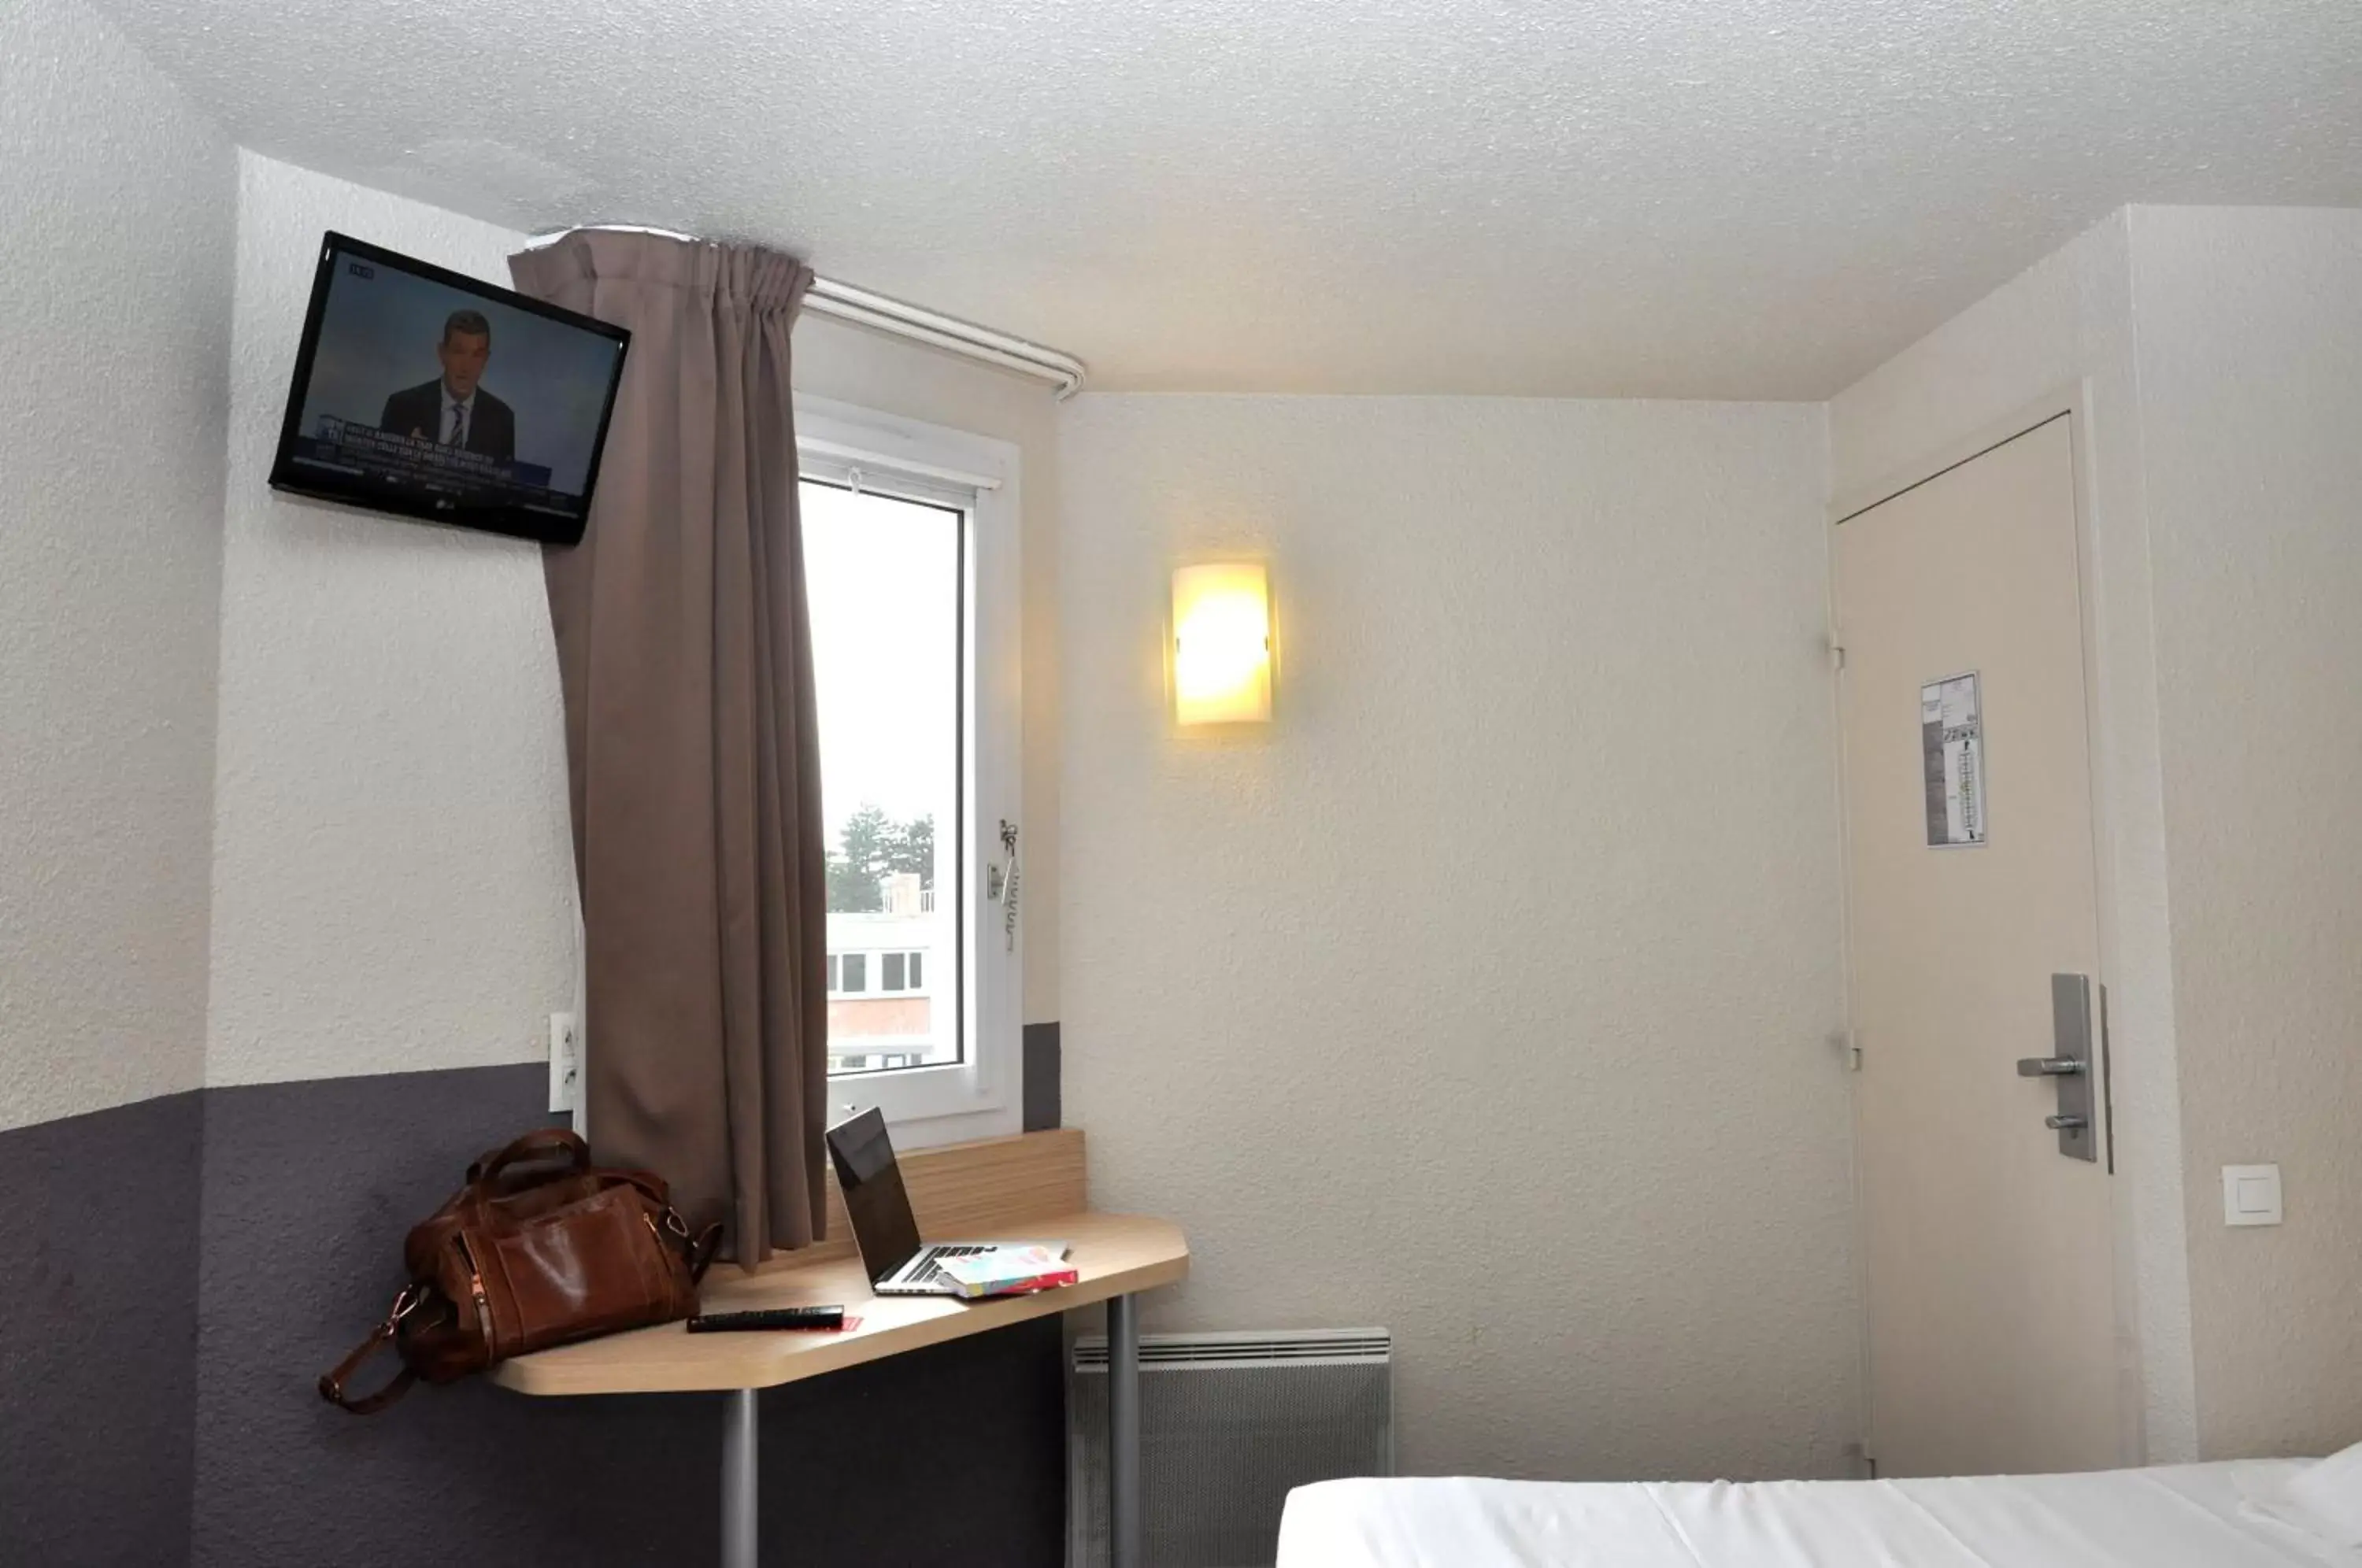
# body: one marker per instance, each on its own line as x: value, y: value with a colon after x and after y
x: 2251, y: 1195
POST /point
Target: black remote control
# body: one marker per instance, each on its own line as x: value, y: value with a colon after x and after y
x: 770, y: 1317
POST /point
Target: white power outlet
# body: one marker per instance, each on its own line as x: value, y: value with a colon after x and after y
x: 565, y: 1062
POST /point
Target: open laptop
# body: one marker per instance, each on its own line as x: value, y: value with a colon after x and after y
x: 883, y: 1225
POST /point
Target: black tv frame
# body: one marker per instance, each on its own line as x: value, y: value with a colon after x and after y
x: 515, y: 521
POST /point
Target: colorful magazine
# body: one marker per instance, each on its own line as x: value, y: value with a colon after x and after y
x: 1009, y: 1271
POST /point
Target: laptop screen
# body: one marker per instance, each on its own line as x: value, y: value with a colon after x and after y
x: 883, y: 1226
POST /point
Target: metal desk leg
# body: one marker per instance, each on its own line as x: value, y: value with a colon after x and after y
x: 1123, y: 1432
x: 739, y: 1480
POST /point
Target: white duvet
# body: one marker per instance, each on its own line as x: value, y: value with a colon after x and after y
x: 2198, y: 1516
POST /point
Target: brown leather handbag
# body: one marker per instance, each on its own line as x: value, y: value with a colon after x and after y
x: 540, y: 1248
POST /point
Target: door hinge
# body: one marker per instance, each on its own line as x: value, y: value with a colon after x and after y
x: 1852, y: 1051
x: 1836, y: 653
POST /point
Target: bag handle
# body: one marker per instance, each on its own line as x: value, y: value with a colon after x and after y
x: 533, y: 1145
x: 332, y: 1383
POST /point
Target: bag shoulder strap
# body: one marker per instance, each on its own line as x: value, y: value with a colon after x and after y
x: 651, y: 1186
x: 697, y: 1248
x: 332, y: 1383
x: 702, y: 1250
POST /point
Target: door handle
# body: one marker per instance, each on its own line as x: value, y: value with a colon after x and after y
x: 2069, y: 1067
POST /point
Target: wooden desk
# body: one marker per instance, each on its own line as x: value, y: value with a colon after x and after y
x: 996, y: 1190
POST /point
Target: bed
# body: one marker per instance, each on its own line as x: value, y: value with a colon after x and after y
x: 2235, y: 1514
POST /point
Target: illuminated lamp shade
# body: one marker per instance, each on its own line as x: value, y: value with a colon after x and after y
x: 1222, y: 644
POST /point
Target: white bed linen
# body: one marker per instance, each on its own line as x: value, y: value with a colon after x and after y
x: 2197, y: 1516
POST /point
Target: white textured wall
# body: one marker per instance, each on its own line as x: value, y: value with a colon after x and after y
x: 2067, y: 324
x: 115, y: 275
x: 873, y: 372
x: 1488, y: 996
x: 2251, y: 389
x: 394, y: 884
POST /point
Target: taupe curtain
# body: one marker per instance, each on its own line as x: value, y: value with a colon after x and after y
x: 686, y: 658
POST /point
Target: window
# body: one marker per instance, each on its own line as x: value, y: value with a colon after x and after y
x: 910, y: 576
x: 867, y: 973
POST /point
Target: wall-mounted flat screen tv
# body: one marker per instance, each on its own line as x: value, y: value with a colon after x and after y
x: 426, y: 394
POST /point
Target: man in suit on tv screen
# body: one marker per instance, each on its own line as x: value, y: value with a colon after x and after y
x: 454, y: 409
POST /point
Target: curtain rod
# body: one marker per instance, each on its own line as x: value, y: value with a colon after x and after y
x: 900, y: 318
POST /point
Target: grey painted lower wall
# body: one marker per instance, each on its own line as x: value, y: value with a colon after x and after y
x: 308, y: 1188
x: 183, y: 1269
x: 98, y: 1328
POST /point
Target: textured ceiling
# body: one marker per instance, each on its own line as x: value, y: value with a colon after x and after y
x: 1723, y: 198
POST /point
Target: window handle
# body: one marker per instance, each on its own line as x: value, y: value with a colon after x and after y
x: 2048, y: 1068
x: 1007, y: 893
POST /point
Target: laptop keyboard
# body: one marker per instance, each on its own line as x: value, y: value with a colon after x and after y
x: 928, y: 1273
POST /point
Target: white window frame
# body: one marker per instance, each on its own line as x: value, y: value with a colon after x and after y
x: 983, y: 1094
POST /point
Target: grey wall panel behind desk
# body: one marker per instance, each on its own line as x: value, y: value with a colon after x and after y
x: 98, y: 1315
x: 1045, y: 1078
x: 308, y: 1188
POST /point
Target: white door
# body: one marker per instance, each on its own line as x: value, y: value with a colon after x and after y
x: 1991, y: 1286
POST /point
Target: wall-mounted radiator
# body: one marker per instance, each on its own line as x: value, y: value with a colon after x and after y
x: 1228, y: 1423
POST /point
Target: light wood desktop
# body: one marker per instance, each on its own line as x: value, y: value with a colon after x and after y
x: 1023, y: 1189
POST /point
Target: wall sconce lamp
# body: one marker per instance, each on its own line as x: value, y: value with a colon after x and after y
x: 1221, y: 643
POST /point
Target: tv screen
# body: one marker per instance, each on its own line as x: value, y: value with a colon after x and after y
x: 425, y: 393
